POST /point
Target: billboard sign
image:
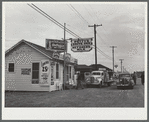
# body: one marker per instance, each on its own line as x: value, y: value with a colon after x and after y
x: 45, y: 66
x: 81, y: 45
x: 115, y: 66
x: 25, y: 71
x: 56, y: 55
x: 55, y: 45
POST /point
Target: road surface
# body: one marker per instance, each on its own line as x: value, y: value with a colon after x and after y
x: 88, y: 97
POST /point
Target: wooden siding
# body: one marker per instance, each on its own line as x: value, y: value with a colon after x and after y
x: 23, y: 57
x: 59, y: 80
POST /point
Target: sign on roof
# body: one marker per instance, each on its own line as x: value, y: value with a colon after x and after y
x: 55, y: 45
x: 56, y: 55
x: 81, y: 45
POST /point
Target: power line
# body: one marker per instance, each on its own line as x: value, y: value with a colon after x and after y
x: 86, y: 21
x: 57, y: 23
x: 103, y: 54
x: 53, y: 20
x: 79, y: 14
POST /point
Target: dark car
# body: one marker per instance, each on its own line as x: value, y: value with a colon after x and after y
x: 125, y: 80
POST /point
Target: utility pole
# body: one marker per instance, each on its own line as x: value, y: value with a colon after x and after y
x: 64, y: 56
x: 95, y: 42
x: 121, y: 63
x: 113, y: 55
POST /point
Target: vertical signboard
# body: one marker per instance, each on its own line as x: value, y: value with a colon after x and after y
x: 52, y: 72
x: 45, y: 66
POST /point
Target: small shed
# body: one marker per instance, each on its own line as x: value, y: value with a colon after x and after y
x: 30, y: 67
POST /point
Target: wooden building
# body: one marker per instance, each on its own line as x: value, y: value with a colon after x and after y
x: 30, y: 67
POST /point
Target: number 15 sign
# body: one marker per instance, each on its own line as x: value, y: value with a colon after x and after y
x: 44, y: 71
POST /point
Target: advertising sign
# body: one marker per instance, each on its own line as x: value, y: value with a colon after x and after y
x: 76, y: 61
x: 52, y: 63
x: 56, y: 55
x: 81, y: 45
x: 52, y: 74
x: 115, y: 66
x: 67, y: 57
x: 25, y: 71
x: 45, y: 64
x: 55, y: 45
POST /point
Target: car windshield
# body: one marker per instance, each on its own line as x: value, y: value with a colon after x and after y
x: 125, y: 75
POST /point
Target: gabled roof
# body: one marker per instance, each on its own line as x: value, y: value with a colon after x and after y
x: 99, y: 65
x: 40, y: 49
x: 82, y: 66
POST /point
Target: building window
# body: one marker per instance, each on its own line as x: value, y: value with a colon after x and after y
x: 35, y: 73
x: 70, y: 72
x: 11, y: 67
x: 57, y: 71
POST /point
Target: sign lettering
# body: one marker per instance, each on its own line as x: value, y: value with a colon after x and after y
x: 56, y: 55
x: 44, y: 71
x: 25, y: 71
x: 81, y: 45
x: 55, y: 45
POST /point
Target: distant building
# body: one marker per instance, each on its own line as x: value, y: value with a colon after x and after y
x: 100, y: 66
x: 82, y: 68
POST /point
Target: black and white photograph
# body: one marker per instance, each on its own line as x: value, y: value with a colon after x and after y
x: 74, y: 60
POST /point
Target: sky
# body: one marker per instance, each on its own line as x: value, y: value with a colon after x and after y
x: 123, y: 26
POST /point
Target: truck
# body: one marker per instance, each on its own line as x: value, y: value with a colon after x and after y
x: 99, y: 78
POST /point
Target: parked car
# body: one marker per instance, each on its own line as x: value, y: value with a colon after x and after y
x: 125, y: 80
x: 98, y: 78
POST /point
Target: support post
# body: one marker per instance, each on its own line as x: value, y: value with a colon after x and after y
x: 121, y: 63
x: 64, y: 57
x: 95, y: 42
x: 113, y: 55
